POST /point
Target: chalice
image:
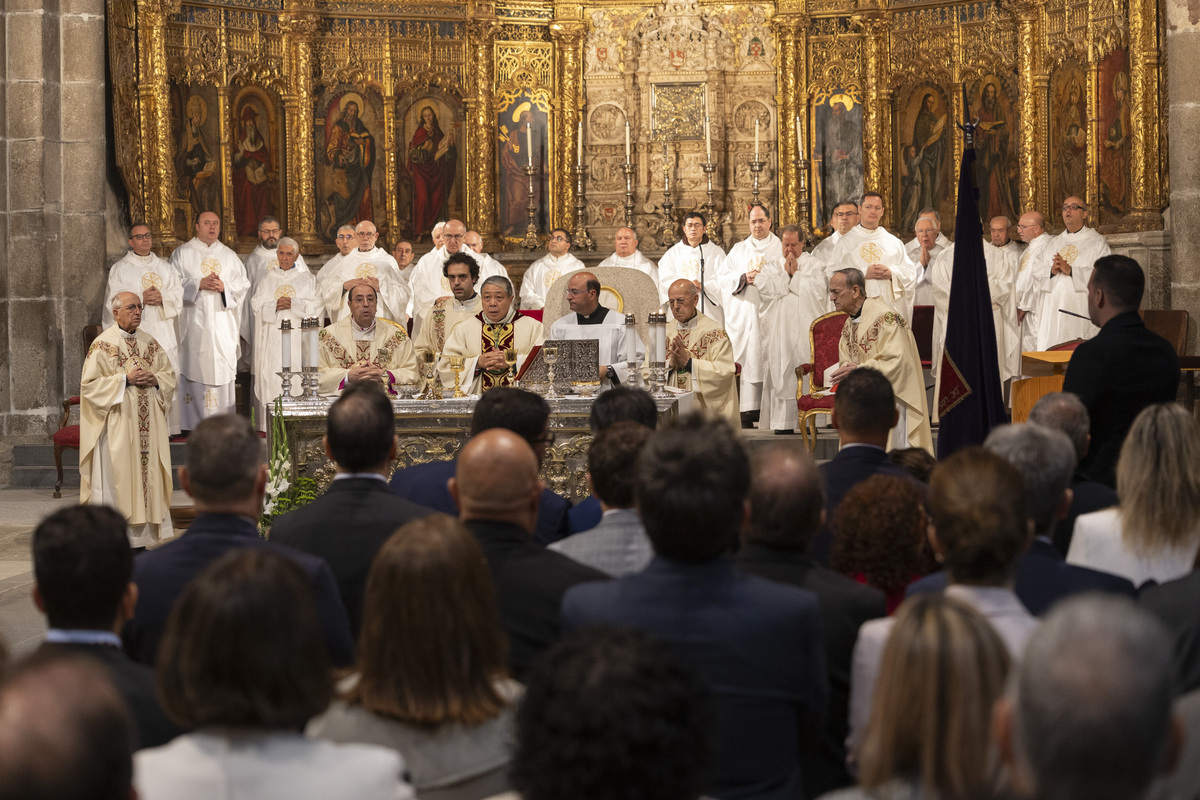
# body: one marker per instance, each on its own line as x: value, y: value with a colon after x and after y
x: 456, y: 366
x: 550, y: 353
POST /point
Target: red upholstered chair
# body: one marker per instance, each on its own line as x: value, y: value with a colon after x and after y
x: 823, y: 338
x: 1071, y: 345
x: 67, y: 436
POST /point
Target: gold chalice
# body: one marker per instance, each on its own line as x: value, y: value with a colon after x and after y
x: 456, y: 366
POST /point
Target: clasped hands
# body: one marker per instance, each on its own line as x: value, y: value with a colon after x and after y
x: 1060, y: 265
x: 677, y: 353
x: 878, y: 272
x: 492, y: 361
x: 141, y: 377
x: 212, y: 283
x: 366, y: 371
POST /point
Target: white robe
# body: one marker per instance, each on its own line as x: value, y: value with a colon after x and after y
x: 210, y: 329
x: 1080, y: 249
x: 375, y: 263
x: 859, y: 248
x: 488, y: 266
x: 923, y: 291
x: 639, y: 262
x: 683, y: 261
x: 136, y: 274
x: 712, y: 372
x: 258, y: 262
x: 1028, y: 297
x: 610, y: 334
x: 541, y: 275
x: 790, y: 304
x: 824, y: 253
x: 299, y: 284
x: 1015, y: 249
x: 743, y: 311
x: 1000, y: 269
x: 427, y: 282
x: 124, y: 448
x: 437, y: 322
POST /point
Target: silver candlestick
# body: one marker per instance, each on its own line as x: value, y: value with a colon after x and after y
x: 530, y: 242
x: 710, y: 207
x: 756, y: 168
x: 580, y: 238
x: 628, y: 168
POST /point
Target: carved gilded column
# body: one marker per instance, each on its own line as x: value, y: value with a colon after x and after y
x: 1144, y: 116
x: 481, y: 163
x: 877, y: 110
x: 792, y: 101
x: 1030, y: 150
x: 391, y: 209
x: 154, y: 101
x: 299, y: 26
x: 568, y: 77
x: 1094, y: 140
x: 224, y: 115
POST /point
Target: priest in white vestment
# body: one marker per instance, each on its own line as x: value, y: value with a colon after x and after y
x: 330, y: 279
x: 488, y: 266
x: 258, y: 263
x: 542, y: 273
x: 929, y: 243
x: 214, y: 288
x: 146, y: 275
x: 794, y: 293
x: 1032, y: 228
x: 743, y: 304
x: 698, y: 260
x: 428, y: 282
x: 403, y: 255
x: 364, y: 347
x: 483, y: 338
x: 699, y: 355
x: 845, y: 217
x: 880, y: 257
x: 627, y: 254
x: 373, y: 265
x: 288, y: 291
x: 998, y: 235
x: 1063, y: 282
x: 590, y: 320
x: 876, y: 336
x: 1000, y: 271
x: 462, y: 271
x: 125, y: 395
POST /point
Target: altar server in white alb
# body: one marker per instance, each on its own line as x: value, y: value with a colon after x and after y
x: 998, y: 235
x: 590, y: 320
x: 845, y: 217
x: 1063, y: 282
x: 214, y: 288
x: 258, y: 263
x: 329, y: 278
x: 428, y: 282
x: 743, y: 305
x: 880, y: 257
x: 365, y: 264
x: 794, y: 293
x: 542, y: 273
x: 627, y: 254
x: 692, y: 258
x: 288, y: 291
x: 125, y: 395
x: 1032, y: 228
x: 146, y: 275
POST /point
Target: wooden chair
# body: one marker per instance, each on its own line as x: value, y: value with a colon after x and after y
x: 823, y: 337
x: 67, y: 436
x: 922, y: 328
x: 1071, y: 345
x: 1169, y: 323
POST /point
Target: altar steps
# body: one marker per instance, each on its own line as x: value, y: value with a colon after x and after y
x: 33, y: 466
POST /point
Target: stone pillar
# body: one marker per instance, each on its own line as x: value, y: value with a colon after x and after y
x: 1183, y: 92
x: 52, y: 200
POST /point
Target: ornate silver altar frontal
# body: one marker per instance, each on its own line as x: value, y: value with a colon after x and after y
x: 578, y: 362
x: 435, y: 430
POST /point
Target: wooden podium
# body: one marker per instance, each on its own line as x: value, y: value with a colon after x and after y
x: 1045, y: 368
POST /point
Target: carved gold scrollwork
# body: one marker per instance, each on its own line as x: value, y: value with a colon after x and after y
x: 568, y: 41
x: 877, y: 117
x: 481, y: 208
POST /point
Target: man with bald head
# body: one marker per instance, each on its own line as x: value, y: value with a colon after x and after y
x: 699, y: 355
x: 998, y: 236
x: 1031, y: 227
x: 364, y: 347
x: 1062, y: 280
x: 590, y: 320
x: 497, y: 489
x: 428, y: 282
x: 215, y: 287
x: 627, y: 254
x: 488, y: 266
x: 370, y: 264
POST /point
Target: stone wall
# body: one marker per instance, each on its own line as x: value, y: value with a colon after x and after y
x: 52, y: 200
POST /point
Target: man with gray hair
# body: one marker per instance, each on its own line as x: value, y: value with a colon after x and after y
x: 483, y: 339
x: 1063, y: 411
x: 1045, y: 459
x: 928, y: 243
x: 1087, y: 714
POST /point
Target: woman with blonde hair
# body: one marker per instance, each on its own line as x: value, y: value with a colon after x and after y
x: 1154, y: 532
x: 928, y: 737
x: 432, y: 678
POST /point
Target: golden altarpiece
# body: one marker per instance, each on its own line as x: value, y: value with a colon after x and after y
x: 323, y: 113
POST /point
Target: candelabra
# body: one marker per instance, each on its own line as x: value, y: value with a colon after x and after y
x: 667, y: 237
x: 581, y: 240
x: 658, y: 366
x: 628, y: 168
x: 756, y: 168
x: 801, y: 165
x: 710, y: 208
x: 530, y: 242
x: 285, y: 372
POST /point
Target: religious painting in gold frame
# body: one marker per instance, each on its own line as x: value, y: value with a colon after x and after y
x: 1115, y: 143
x: 522, y: 116
x: 348, y: 142
x: 837, y: 151
x: 1068, y: 133
x: 431, y: 167
x: 257, y: 141
x: 196, y: 136
x: 924, y: 155
x: 996, y: 166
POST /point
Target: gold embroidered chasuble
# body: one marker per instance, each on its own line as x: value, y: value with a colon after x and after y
x: 339, y: 351
x: 474, y: 336
x: 712, y: 375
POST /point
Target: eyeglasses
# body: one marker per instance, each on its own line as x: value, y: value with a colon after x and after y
x: 558, y: 238
x: 1025, y: 227
x: 1073, y: 207
x: 577, y: 292
x: 137, y: 307
x: 346, y: 236
x: 140, y: 236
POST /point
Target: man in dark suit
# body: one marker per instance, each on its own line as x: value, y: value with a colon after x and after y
x: 525, y: 414
x: 1065, y: 412
x: 226, y: 478
x: 496, y: 486
x: 82, y: 563
x: 1045, y: 458
x: 1123, y: 368
x: 864, y: 410
x: 348, y: 524
x: 785, y: 512
x: 757, y: 643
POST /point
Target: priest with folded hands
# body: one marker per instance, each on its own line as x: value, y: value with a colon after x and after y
x: 363, y: 347
x: 482, y: 339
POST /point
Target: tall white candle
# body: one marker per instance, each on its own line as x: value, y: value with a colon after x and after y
x: 707, y: 139
x: 313, y: 346
x: 303, y: 343
x: 529, y: 141
x: 626, y: 141
x: 285, y: 335
x: 756, y: 139
x: 581, y: 143
x: 630, y: 336
x: 660, y: 339
x: 801, y: 154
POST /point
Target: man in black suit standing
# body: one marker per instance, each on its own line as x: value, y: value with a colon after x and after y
x: 82, y: 563
x: 864, y: 411
x: 226, y: 477
x: 496, y: 486
x: 348, y: 524
x: 785, y: 512
x: 1123, y: 368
